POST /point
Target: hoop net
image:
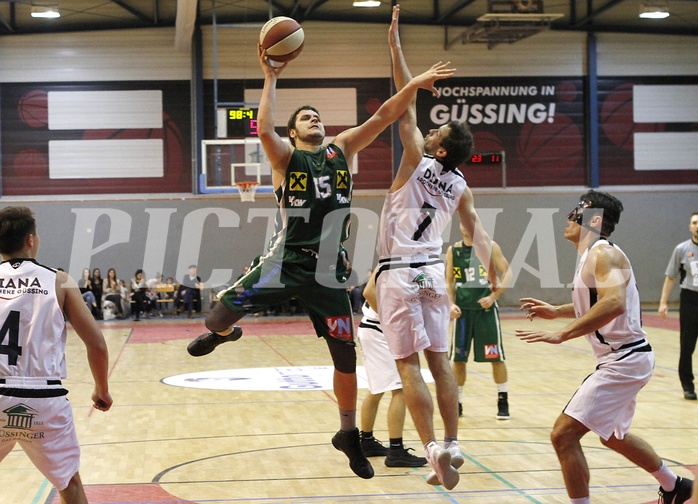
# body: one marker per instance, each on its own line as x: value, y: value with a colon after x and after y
x: 247, y: 190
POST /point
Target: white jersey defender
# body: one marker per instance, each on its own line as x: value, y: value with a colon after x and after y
x: 32, y: 362
x: 31, y: 346
x: 624, y: 333
x: 411, y: 281
x: 415, y: 216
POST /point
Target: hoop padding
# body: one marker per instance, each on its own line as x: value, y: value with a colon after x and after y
x: 247, y: 190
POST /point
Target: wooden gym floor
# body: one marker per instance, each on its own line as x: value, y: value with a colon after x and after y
x: 234, y: 443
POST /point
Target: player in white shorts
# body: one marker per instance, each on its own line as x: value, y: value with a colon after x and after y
x: 383, y: 376
x: 606, y: 308
x: 412, y: 300
x: 35, y: 304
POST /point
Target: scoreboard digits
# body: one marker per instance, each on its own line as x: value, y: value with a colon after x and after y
x: 242, y: 122
x: 487, y: 158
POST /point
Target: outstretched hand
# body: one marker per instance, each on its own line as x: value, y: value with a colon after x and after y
x: 269, y: 67
x: 553, y: 337
x: 438, y: 71
x: 393, y: 32
x: 537, y: 308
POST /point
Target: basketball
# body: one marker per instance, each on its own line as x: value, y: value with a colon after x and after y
x: 283, y: 38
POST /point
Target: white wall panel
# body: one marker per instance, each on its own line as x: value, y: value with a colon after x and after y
x: 68, y: 110
x: 81, y: 159
x: 629, y: 55
x: 337, y: 105
x: 666, y: 103
x: 346, y: 50
x: 146, y: 54
x: 666, y: 151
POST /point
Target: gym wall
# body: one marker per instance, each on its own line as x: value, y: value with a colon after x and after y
x: 132, y: 222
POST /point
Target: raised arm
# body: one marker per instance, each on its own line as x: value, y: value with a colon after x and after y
x: 355, y: 139
x: 277, y: 151
x: 411, y: 138
x: 401, y: 74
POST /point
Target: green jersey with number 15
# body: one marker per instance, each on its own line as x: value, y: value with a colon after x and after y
x: 314, y: 199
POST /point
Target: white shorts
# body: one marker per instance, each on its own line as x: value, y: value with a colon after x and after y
x: 414, y: 308
x: 379, y: 363
x: 44, y: 428
x: 605, y: 401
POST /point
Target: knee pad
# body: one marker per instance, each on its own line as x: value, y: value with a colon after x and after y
x: 343, y: 355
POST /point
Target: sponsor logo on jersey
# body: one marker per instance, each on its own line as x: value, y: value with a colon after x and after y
x: 339, y: 327
x: 483, y: 274
x: 491, y: 351
x: 20, y: 418
x: 298, y: 181
x: 457, y: 273
x: 425, y: 283
x: 331, y: 153
x: 19, y: 283
x: 296, y: 202
x: 434, y: 186
x: 342, y: 179
x: 17, y: 286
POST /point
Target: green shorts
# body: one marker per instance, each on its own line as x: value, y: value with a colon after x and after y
x: 273, y: 281
x: 481, y: 329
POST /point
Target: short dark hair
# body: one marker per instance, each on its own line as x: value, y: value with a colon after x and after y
x: 292, y: 120
x: 611, y: 206
x: 16, y: 223
x: 458, y: 145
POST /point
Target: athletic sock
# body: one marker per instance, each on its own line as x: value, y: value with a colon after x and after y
x: 366, y: 434
x: 503, y: 387
x: 347, y: 420
x: 583, y: 500
x: 666, y: 477
x: 395, y: 443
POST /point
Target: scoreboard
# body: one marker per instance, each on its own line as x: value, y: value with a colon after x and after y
x: 241, y: 122
x: 487, y: 158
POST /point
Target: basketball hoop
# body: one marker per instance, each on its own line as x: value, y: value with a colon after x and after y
x: 247, y: 190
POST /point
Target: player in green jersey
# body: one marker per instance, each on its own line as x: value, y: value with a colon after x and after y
x: 306, y: 260
x: 476, y: 313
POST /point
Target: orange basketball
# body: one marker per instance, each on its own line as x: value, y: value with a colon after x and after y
x: 283, y: 38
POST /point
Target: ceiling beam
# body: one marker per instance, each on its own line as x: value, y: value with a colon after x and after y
x: 6, y: 24
x: 313, y: 6
x: 135, y: 12
x: 184, y: 24
x: 453, y: 10
x: 593, y: 13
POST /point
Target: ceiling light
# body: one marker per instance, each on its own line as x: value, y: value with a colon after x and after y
x: 45, y: 12
x: 655, y: 9
x: 366, y: 3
